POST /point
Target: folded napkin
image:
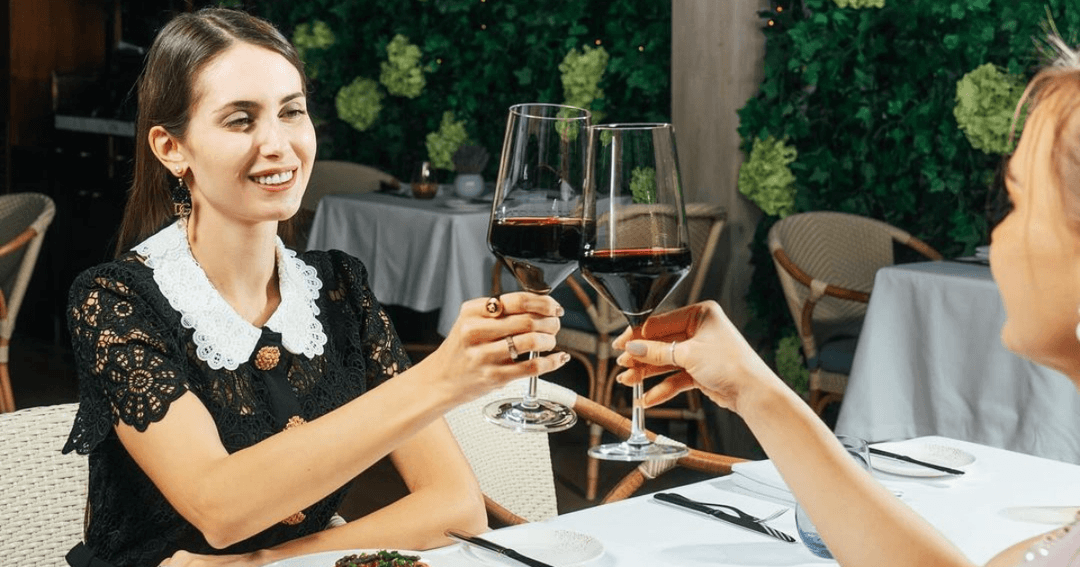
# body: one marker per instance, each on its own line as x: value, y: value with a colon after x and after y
x: 760, y: 478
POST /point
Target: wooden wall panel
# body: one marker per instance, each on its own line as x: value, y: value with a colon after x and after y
x: 716, y: 59
x: 45, y: 36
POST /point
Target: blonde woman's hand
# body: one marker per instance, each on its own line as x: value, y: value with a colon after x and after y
x: 709, y: 353
x: 476, y: 356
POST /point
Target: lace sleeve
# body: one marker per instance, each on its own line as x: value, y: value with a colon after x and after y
x: 384, y: 354
x: 127, y: 354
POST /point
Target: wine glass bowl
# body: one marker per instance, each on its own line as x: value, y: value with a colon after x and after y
x: 537, y: 227
x: 638, y: 250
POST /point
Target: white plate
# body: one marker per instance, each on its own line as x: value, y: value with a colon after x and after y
x: 557, y: 547
x: 936, y: 454
x: 328, y: 558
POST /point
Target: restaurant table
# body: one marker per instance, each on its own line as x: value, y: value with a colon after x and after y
x: 421, y: 254
x: 930, y: 361
x: 1004, y: 497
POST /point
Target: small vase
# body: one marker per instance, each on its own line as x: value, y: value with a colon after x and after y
x: 468, y: 185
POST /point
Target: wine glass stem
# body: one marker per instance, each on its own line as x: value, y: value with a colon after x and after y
x: 529, y: 400
x: 637, y: 419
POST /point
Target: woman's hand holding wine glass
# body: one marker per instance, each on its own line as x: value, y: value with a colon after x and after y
x: 477, y: 355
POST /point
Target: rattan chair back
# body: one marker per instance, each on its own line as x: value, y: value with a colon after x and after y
x: 826, y: 262
x: 42, y: 492
x: 514, y: 469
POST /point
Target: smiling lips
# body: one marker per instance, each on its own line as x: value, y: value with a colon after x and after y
x: 275, y: 179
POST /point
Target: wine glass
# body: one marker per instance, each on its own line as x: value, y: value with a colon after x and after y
x: 536, y: 227
x: 424, y: 185
x: 639, y: 248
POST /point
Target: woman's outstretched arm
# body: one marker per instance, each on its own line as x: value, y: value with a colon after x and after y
x: 231, y: 497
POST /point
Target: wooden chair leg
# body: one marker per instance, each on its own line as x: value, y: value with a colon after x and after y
x: 704, y: 435
x: 7, y: 396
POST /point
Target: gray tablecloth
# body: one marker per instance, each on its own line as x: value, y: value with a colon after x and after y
x: 424, y: 255
x: 930, y: 362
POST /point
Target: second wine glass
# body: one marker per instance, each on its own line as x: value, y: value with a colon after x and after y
x: 536, y: 227
x: 639, y: 250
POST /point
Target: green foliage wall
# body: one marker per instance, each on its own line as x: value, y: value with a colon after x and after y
x: 866, y: 97
x: 478, y: 58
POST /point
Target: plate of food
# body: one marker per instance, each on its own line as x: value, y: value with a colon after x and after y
x: 355, y: 558
x: 940, y: 455
x: 557, y: 547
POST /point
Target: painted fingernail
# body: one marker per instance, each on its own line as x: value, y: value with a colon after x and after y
x: 559, y: 312
x: 635, y: 348
x: 563, y: 358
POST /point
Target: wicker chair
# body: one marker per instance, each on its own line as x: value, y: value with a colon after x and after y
x: 42, y: 492
x: 514, y: 469
x: 24, y: 217
x: 590, y: 325
x: 826, y: 262
x: 331, y: 176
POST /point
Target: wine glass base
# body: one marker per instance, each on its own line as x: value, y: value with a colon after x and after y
x: 626, y: 451
x: 546, y: 417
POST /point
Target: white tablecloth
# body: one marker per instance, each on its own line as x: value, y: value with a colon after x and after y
x: 930, y: 362
x: 979, y: 511
x: 420, y: 254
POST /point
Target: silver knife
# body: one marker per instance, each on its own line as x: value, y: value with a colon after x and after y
x: 492, y: 546
x: 914, y: 461
x: 742, y: 520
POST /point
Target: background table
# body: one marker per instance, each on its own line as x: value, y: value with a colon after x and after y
x: 930, y: 362
x: 420, y: 254
x: 979, y: 512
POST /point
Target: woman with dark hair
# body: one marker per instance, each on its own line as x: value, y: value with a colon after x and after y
x: 229, y: 389
x: 1035, y: 259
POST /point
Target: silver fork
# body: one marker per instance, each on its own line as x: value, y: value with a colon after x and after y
x: 770, y: 517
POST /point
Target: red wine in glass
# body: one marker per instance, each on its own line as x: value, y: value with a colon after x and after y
x: 540, y: 251
x: 636, y: 280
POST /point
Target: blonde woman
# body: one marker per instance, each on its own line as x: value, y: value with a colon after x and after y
x: 1035, y: 259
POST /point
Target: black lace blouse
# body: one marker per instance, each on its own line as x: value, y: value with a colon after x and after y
x: 135, y: 358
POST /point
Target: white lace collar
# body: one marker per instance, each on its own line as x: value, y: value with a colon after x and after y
x: 223, y: 339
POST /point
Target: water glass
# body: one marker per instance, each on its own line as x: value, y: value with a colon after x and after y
x: 808, y: 532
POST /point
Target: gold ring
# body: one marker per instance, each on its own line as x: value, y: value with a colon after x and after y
x: 510, y: 346
x: 672, y: 349
x: 493, y: 307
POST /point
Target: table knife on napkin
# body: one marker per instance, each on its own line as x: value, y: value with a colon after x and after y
x: 492, y: 546
x: 742, y: 520
x: 914, y: 461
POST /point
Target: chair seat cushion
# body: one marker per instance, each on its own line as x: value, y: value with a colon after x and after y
x: 837, y: 355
